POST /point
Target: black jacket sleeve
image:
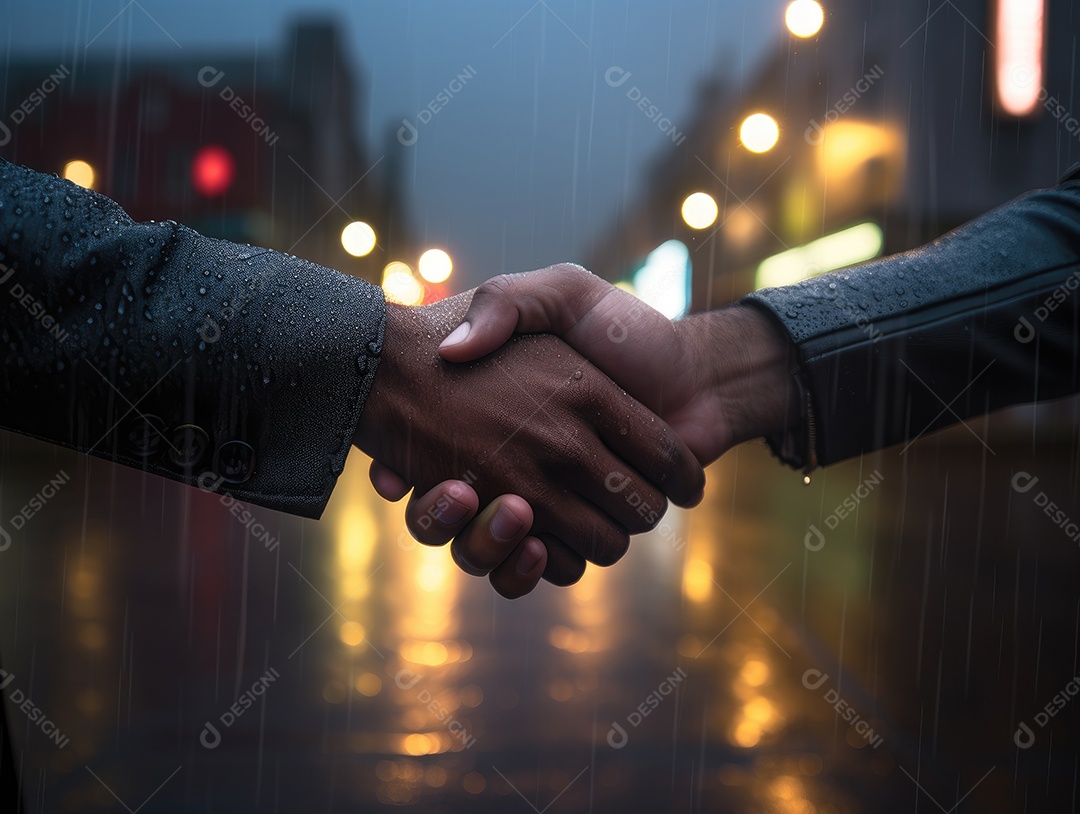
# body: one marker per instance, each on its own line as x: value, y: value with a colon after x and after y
x: 220, y: 365
x: 983, y: 318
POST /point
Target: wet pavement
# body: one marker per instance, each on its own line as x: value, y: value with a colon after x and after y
x: 875, y: 641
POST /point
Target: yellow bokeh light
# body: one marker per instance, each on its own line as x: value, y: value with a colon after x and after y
x: 699, y: 210
x: 400, y: 286
x: 351, y: 633
x: 755, y: 672
x: 368, y: 684
x: 358, y: 238
x: 697, y: 580
x: 759, y: 133
x: 435, y: 266
x: 804, y: 18
x: 79, y: 172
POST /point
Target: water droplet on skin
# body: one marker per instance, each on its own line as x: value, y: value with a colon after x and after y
x: 578, y: 374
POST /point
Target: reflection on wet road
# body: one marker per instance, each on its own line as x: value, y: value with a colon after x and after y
x: 870, y: 642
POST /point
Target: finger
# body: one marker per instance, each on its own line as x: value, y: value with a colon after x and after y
x: 621, y: 492
x: 519, y: 573
x: 493, y: 535
x: 581, y: 527
x: 547, y: 300
x: 647, y: 444
x: 389, y: 485
x: 436, y: 516
x: 564, y: 566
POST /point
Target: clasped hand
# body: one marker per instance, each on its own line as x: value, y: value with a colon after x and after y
x: 476, y: 404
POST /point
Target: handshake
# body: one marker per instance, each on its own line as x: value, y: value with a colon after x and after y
x: 576, y: 411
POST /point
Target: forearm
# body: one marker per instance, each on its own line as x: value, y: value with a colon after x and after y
x: 914, y: 342
x: 205, y: 361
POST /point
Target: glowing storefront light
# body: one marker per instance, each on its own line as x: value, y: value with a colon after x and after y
x: 1020, y: 34
x: 664, y: 281
x: 854, y: 245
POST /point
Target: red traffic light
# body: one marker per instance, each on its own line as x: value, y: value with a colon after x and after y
x: 212, y: 171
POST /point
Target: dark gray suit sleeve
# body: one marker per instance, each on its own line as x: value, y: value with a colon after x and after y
x: 985, y: 317
x: 233, y: 368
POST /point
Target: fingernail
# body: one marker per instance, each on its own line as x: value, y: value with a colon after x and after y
x: 451, y: 512
x: 505, y: 525
x: 457, y: 336
x: 530, y: 556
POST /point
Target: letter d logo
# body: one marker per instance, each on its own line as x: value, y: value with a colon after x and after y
x: 210, y: 738
x: 814, y: 539
x: 5, y: 134
x: 616, y: 77
x: 616, y: 482
x: 814, y: 683
x: 7, y: 271
x: 407, y: 134
x: 815, y: 134
x: 406, y: 679
x: 5, y: 539
x: 1023, y: 737
x: 209, y: 76
x: 617, y: 737
x: 1024, y: 332
x: 1023, y: 482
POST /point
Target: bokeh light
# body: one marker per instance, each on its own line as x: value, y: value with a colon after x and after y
x: 212, y: 171
x: 358, y: 238
x: 759, y: 133
x: 699, y: 210
x: 400, y: 286
x: 80, y: 172
x: 804, y: 18
x: 436, y: 266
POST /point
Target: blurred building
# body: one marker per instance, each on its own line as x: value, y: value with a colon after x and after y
x: 252, y: 147
x: 897, y: 122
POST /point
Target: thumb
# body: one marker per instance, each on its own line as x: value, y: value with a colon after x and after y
x: 549, y: 300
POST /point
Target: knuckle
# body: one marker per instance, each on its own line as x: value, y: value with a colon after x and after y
x: 499, y: 286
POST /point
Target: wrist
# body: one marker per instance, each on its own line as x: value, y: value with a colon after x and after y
x: 744, y: 362
x: 388, y: 404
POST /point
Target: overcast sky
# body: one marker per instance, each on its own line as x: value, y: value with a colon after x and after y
x: 530, y: 160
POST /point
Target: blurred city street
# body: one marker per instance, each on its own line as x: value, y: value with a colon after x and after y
x: 896, y: 632
x: 731, y: 662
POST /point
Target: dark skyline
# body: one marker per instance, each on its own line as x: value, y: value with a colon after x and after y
x: 532, y: 158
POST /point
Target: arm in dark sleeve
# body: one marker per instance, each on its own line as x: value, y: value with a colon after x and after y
x: 982, y: 318
x: 220, y: 365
